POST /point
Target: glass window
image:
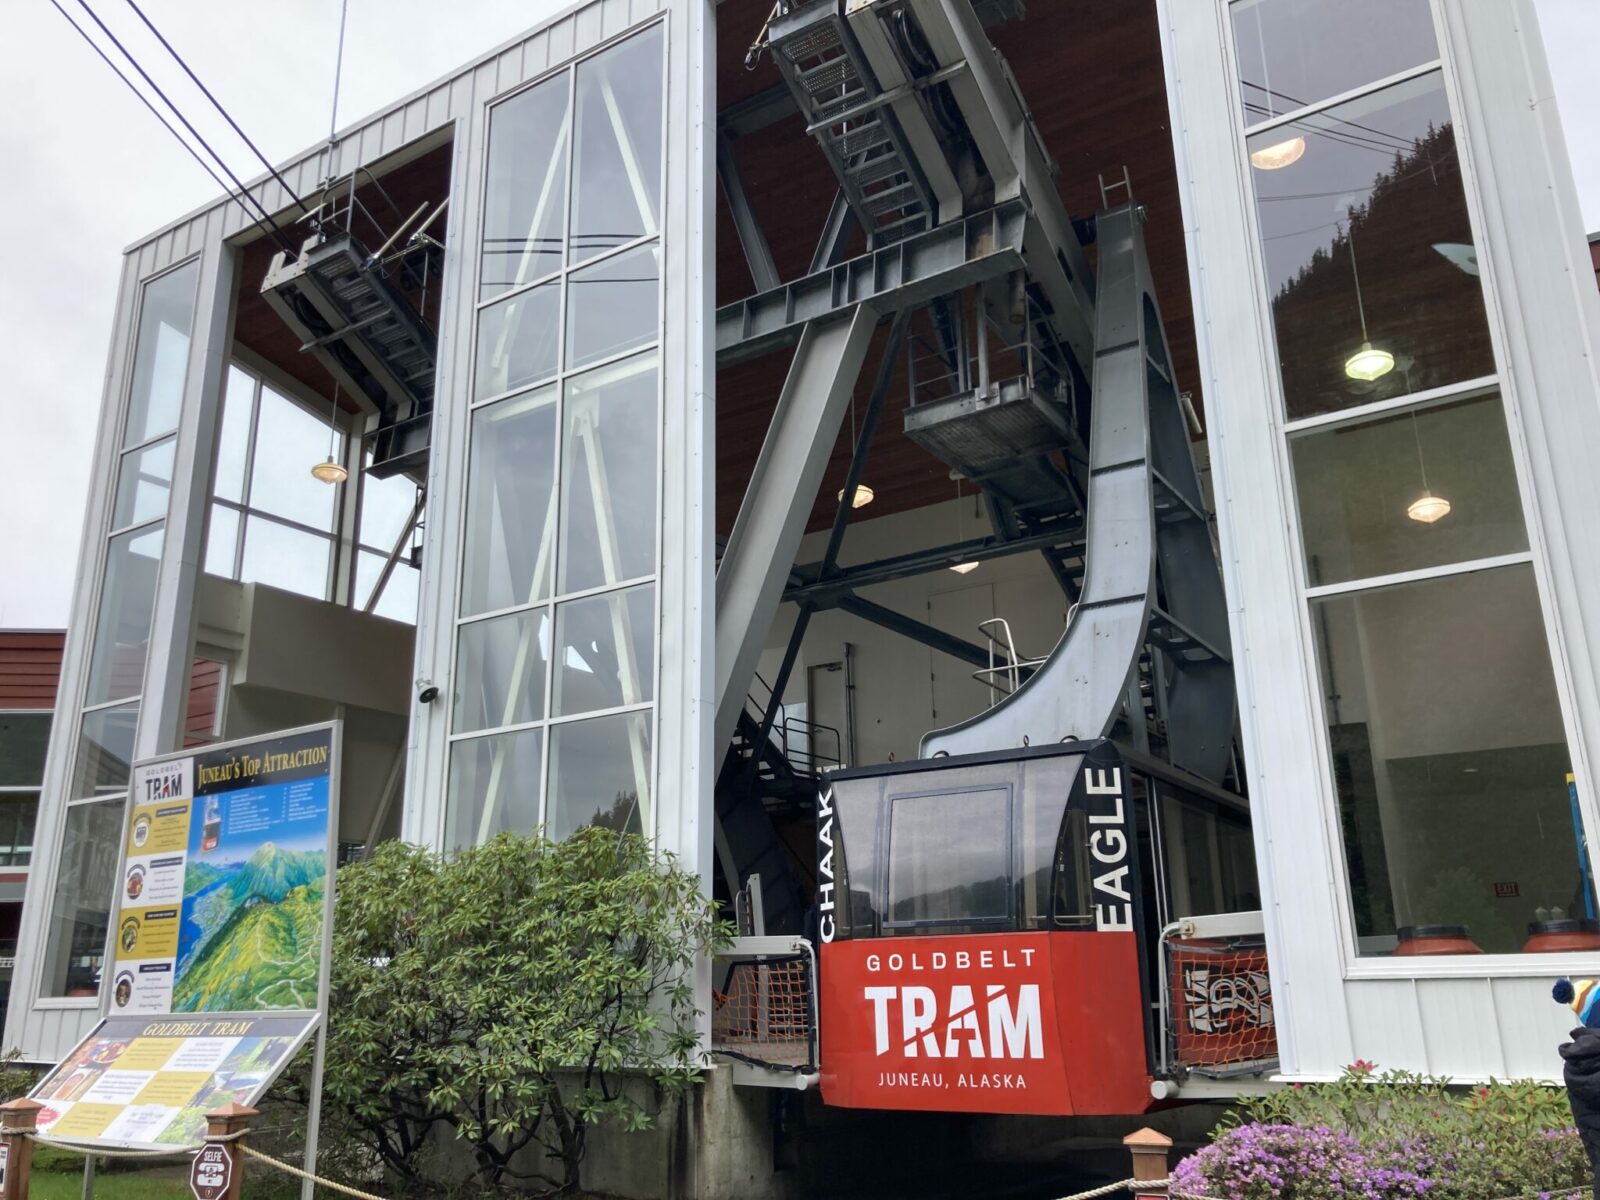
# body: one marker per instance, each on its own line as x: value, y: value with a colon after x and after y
x: 494, y: 786
x: 616, y: 191
x: 510, y: 481
x: 1298, y: 52
x: 607, y: 656
x: 289, y: 440
x: 613, y: 306
x: 24, y: 739
x: 105, y: 751
x: 286, y: 558
x: 609, y: 476
x: 518, y: 341
x: 950, y: 857
x: 143, y: 481
x: 525, y: 204
x: 18, y: 814
x: 122, y: 630
x: 222, y: 541
x: 600, y: 775
x: 1450, y: 761
x: 399, y: 599
x: 80, y: 908
x: 161, y: 354
x: 1421, y: 489
x: 501, y: 669
x: 386, y: 506
x: 233, y: 436
x: 1369, y: 254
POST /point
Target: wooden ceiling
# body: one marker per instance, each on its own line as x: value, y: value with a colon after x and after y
x: 1092, y: 75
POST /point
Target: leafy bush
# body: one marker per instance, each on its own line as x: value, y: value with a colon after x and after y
x: 1381, y: 1136
x: 502, y: 995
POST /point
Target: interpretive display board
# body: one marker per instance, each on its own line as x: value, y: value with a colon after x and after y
x: 149, y: 1081
x: 222, y: 904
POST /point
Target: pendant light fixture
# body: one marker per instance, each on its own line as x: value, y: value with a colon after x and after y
x: 1426, y: 508
x: 1369, y: 362
x: 1278, y: 155
x: 330, y: 470
x: 863, y: 495
x: 961, y: 568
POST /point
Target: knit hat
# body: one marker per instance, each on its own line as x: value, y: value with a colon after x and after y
x: 1582, y: 996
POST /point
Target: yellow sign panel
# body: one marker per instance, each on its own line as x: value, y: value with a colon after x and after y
x: 146, y: 1054
x: 85, y: 1120
x: 147, y: 933
x: 159, y: 828
x: 173, y: 1087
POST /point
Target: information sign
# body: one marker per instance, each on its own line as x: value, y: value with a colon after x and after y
x: 211, y: 1173
x: 222, y: 901
x: 143, y: 1081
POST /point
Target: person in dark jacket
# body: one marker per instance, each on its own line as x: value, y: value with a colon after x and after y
x: 1582, y: 1070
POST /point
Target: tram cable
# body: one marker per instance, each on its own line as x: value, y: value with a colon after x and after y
x: 277, y: 234
x: 268, y: 228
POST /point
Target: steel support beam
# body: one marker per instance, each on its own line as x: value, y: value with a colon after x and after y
x: 920, y: 631
x: 783, y: 486
x: 983, y: 246
x: 757, y: 254
x: 836, y: 231
x: 812, y: 588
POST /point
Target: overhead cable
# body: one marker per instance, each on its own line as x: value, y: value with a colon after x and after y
x: 270, y: 231
x: 278, y: 235
x: 217, y: 104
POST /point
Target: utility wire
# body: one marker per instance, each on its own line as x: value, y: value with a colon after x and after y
x: 217, y: 104
x: 167, y: 125
x: 278, y: 235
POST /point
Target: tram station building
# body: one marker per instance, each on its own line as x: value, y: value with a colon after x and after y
x: 946, y: 470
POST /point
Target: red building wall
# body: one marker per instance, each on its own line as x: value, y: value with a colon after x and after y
x: 30, y: 667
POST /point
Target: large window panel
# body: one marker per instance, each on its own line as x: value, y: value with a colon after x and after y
x: 600, y: 774
x: 950, y: 857
x: 1420, y: 489
x: 233, y: 436
x: 80, y: 908
x: 1450, y: 760
x: 105, y: 751
x: 616, y: 191
x: 122, y: 629
x: 494, y: 786
x: 609, y: 476
x: 144, y: 479
x: 1298, y: 52
x: 607, y: 651
x: 24, y: 740
x: 398, y: 600
x: 525, y: 204
x: 613, y: 306
x: 288, y: 441
x: 222, y: 541
x: 18, y: 816
x: 502, y: 665
x: 283, y: 557
x: 518, y: 341
x: 1371, y: 266
x: 510, y: 534
x: 161, y: 354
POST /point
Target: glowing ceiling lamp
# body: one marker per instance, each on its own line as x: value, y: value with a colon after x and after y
x: 961, y: 568
x: 863, y: 496
x: 1278, y: 155
x: 1426, y: 508
x: 1368, y: 363
x: 330, y: 470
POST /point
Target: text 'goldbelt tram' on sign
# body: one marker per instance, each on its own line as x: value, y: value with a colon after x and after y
x: 979, y: 924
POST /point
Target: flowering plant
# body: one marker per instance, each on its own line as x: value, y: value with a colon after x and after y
x: 1374, y: 1135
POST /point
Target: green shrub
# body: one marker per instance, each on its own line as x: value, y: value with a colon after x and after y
x: 503, y: 995
x: 1377, y: 1135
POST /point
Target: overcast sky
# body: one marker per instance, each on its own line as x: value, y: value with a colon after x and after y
x: 88, y: 170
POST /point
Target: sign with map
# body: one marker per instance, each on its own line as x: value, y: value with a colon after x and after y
x: 223, y: 903
x: 149, y: 1081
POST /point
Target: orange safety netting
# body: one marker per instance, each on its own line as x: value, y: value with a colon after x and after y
x: 1221, y: 1003
x: 764, y: 1013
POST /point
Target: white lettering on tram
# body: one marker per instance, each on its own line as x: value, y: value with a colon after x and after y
x: 1108, y: 843
x: 1013, y: 1026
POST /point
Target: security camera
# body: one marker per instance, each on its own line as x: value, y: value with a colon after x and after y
x: 427, y: 693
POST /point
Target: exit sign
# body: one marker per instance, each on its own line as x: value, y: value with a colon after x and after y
x: 1507, y: 891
